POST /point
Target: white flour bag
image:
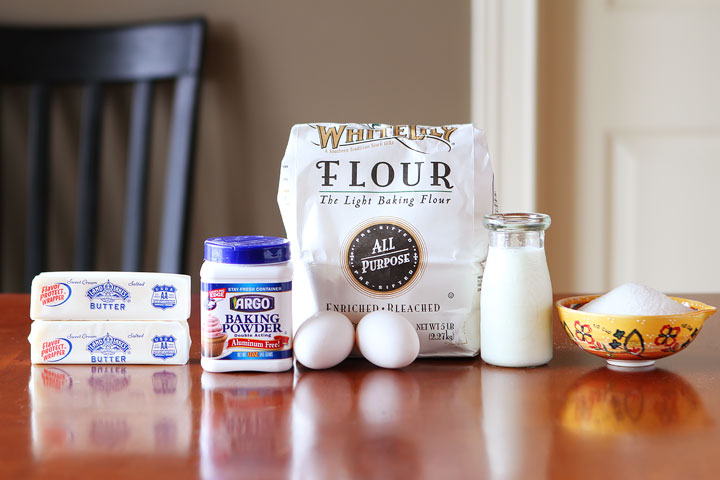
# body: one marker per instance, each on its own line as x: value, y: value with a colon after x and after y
x: 389, y: 217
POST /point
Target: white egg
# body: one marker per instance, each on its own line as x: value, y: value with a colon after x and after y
x: 324, y: 340
x: 387, y: 339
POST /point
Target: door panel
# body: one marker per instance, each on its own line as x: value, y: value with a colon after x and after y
x: 629, y: 142
x: 663, y: 197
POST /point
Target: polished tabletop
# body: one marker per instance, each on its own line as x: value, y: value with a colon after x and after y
x: 437, y: 418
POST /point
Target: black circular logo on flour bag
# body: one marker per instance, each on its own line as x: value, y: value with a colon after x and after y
x: 384, y: 258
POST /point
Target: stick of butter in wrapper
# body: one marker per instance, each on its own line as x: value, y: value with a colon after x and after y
x: 110, y: 296
x: 104, y: 342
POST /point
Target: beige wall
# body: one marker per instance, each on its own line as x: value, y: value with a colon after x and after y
x: 268, y: 65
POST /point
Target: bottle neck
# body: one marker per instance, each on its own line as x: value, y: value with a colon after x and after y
x: 515, y: 239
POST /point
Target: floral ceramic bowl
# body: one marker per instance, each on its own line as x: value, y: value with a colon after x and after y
x: 631, y: 340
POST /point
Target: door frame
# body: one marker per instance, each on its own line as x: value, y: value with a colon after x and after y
x: 503, y: 90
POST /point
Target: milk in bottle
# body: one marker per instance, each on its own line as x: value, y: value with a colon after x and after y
x: 516, y: 296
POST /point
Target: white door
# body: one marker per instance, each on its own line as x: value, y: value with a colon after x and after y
x: 628, y: 140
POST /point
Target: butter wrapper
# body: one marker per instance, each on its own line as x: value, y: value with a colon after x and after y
x: 104, y: 342
x: 110, y: 296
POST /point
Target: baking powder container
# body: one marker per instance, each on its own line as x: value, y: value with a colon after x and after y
x: 246, y: 304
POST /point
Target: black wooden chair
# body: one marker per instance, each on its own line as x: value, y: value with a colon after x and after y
x: 140, y: 54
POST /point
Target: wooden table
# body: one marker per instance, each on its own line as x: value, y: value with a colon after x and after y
x: 445, y: 419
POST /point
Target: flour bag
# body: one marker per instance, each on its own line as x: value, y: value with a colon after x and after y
x: 389, y: 217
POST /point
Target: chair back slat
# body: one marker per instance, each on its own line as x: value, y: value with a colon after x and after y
x: 88, y: 176
x: 124, y: 53
x: 178, y: 175
x: 1, y: 196
x: 136, y: 186
x: 37, y: 196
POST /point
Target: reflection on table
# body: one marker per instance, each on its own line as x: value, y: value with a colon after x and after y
x: 110, y: 409
x: 517, y: 421
x: 632, y: 424
x: 612, y: 402
x: 245, y: 424
x: 363, y: 423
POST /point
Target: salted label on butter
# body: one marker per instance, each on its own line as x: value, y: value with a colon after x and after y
x: 102, y: 342
x: 110, y: 296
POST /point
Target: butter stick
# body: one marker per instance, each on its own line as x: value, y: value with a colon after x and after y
x: 110, y: 296
x: 105, y: 342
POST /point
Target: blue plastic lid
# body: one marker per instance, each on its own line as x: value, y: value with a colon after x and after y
x: 247, y: 249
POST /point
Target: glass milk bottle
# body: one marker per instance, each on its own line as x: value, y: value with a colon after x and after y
x: 516, y: 296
